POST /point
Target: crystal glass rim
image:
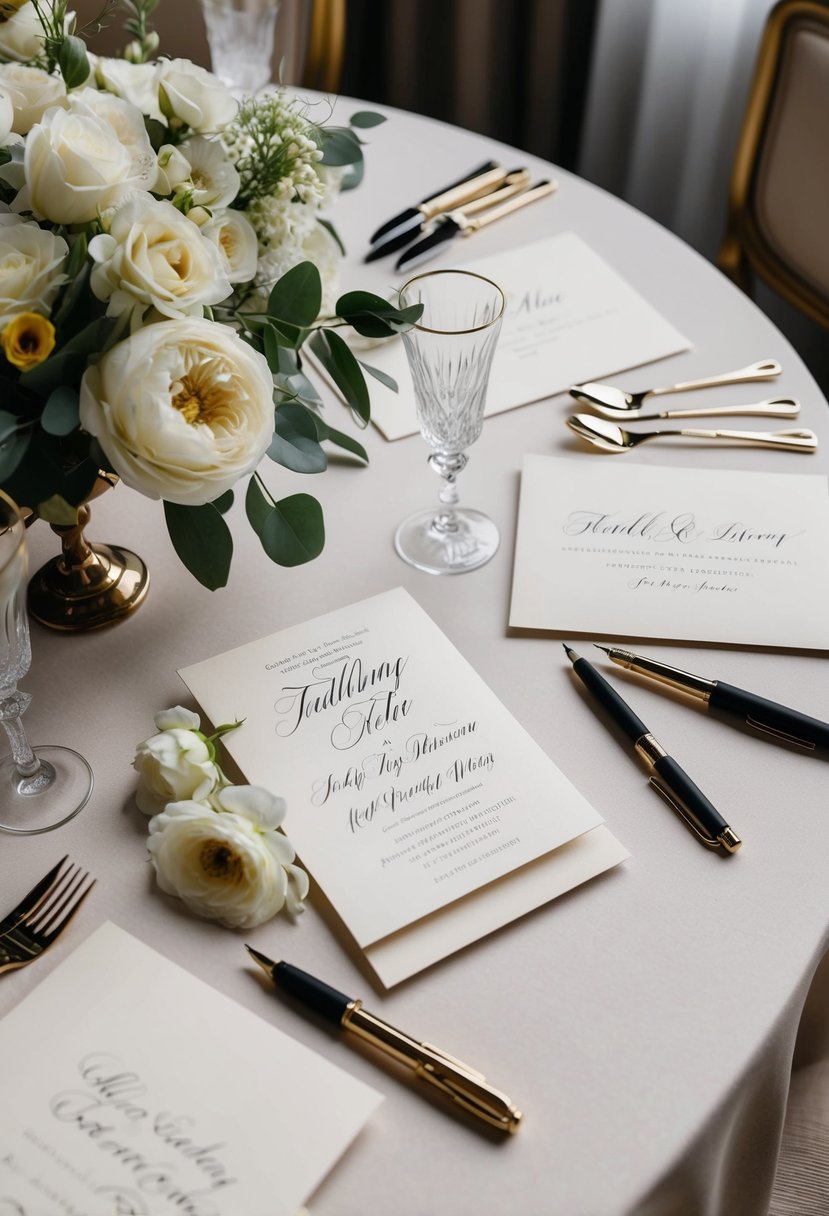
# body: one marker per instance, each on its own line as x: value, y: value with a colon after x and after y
x: 18, y: 519
x: 431, y: 274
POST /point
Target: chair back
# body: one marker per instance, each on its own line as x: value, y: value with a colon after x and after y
x: 777, y: 221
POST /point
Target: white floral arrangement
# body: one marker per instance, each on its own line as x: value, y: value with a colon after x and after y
x: 163, y: 261
x: 216, y: 846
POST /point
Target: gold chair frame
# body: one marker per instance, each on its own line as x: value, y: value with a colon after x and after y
x: 745, y: 249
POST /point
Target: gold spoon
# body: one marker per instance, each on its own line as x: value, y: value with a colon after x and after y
x: 618, y: 399
x: 772, y: 407
x: 612, y: 438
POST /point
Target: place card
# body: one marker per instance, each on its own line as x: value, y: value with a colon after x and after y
x: 694, y: 555
x: 410, y: 787
x: 130, y: 1087
x: 570, y: 317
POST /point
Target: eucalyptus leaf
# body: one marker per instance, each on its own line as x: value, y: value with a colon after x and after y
x: 294, y: 532
x: 297, y: 296
x: 329, y: 227
x: 340, y: 146
x: 72, y: 61
x: 366, y: 118
x: 353, y: 175
x: 60, y: 414
x: 202, y: 540
x: 389, y: 381
x: 8, y: 425
x: 224, y: 502
x: 77, y: 256
x: 344, y: 370
x: 12, y: 450
x: 294, y: 444
x: 346, y: 442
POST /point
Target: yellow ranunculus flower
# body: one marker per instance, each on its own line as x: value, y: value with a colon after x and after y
x: 27, y: 340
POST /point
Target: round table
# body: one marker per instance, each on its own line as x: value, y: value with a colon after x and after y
x: 645, y: 1023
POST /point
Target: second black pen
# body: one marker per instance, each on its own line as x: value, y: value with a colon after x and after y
x: 667, y: 777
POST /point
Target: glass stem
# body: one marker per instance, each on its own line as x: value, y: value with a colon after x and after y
x: 12, y: 705
x: 448, y: 465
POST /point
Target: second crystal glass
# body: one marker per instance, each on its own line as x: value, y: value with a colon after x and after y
x: 450, y: 353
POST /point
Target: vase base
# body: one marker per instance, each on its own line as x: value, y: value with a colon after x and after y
x: 106, y: 587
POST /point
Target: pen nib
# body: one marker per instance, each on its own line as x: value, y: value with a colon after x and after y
x: 571, y: 654
x: 606, y: 649
x: 264, y: 962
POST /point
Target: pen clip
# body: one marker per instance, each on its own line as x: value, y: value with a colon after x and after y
x: 805, y: 744
x: 673, y: 801
x: 455, y: 1063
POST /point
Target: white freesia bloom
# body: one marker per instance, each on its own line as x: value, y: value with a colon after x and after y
x: 173, y: 170
x: 234, y: 236
x: 32, y: 92
x: 85, y: 158
x: 194, y: 96
x: 134, y: 82
x: 183, y: 409
x: 31, y: 267
x: 215, y: 182
x: 230, y: 864
x: 153, y: 257
x: 21, y: 36
x: 6, y: 114
x: 174, y: 764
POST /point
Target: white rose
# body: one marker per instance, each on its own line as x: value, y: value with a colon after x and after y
x: 173, y: 170
x: 133, y: 82
x: 6, y: 114
x: 153, y: 257
x: 235, y: 238
x: 176, y: 763
x: 194, y: 96
x: 32, y: 92
x: 85, y: 158
x: 21, y: 36
x: 231, y: 864
x: 183, y: 409
x: 31, y: 267
x: 215, y: 181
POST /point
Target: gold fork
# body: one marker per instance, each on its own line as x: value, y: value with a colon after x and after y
x: 40, y: 925
x: 32, y: 899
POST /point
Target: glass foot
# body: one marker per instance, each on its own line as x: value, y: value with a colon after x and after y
x: 437, y: 550
x: 49, y: 797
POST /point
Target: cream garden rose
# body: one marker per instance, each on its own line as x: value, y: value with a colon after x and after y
x: 85, y: 158
x: 31, y: 267
x: 183, y: 409
x: 21, y: 36
x: 194, y: 97
x: 230, y: 863
x: 175, y: 764
x: 32, y: 92
x: 154, y: 257
x: 235, y: 238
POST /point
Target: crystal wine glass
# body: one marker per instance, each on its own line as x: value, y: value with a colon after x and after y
x: 43, y: 787
x: 240, y: 34
x: 450, y: 352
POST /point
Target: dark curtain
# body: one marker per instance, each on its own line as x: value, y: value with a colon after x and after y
x: 515, y: 71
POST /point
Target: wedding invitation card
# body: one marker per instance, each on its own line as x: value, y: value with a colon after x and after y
x: 569, y: 318
x: 409, y: 785
x: 692, y: 555
x: 130, y: 1086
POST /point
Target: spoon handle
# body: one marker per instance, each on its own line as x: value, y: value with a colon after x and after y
x: 766, y: 369
x: 792, y: 441
x: 775, y: 407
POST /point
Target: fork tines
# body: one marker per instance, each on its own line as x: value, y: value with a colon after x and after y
x: 42, y: 915
x: 32, y: 899
x: 56, y: 909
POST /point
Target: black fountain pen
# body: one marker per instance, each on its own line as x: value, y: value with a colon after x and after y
x: 462, y: 1084
x: 667, y: 777
x: 757, y: 712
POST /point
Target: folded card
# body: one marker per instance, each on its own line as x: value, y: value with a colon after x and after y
x: 410, y: 787
x: 130, y: 1086
x: 570, y: 317
x: 692, y: 555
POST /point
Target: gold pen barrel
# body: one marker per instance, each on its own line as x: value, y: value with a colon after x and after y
x: 463, y: 193
x: 674, y: 677
x: 465, y: 1087
x: 513, y: 204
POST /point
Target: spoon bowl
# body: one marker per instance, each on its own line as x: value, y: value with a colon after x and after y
x: 597, y: 395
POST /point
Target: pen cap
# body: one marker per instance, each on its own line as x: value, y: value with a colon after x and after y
x: 313, y: 993
x: 770, y: 717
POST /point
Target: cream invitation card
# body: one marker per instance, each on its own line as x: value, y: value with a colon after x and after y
x: 696, y: 555
x: 409, y: 785
x: 569, y: 318
x: 131, y: 1088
